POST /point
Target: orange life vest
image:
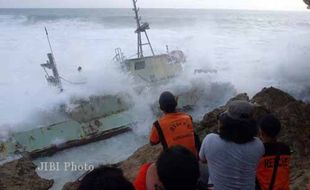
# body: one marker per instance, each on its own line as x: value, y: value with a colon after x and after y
x: 266, y: 165
x: 174, y: 129
x: 140, y: 181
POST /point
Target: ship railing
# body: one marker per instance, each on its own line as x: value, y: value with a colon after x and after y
x: 119, y: 56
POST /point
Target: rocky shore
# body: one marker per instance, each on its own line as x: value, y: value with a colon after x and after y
x: 21, y: 174
x: 293, y: 114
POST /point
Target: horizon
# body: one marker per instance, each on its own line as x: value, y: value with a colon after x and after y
x: 164, y: 8
x: 286, y: 5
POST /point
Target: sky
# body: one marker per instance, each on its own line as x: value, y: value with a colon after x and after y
x: 200, y: 4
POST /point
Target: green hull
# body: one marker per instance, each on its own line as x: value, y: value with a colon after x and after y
x: 95, y: 119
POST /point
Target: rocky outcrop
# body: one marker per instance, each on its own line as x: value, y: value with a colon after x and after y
x: 272, y: 98
x: 209, y: 122
x: 143, y: 155
x: 294, y: 116
x: 21, y: 175
x: 71, y: 186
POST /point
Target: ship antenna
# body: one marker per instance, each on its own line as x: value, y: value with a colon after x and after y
x: 51, y: 64
x: 141, y: 28
x: 48, y: 39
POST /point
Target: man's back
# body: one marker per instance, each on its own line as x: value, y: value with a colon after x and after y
x: 176, y: 129
x: 266, y: 167
x: 231, y: 165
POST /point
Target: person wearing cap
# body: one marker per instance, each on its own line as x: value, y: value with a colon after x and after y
x: 233, y: 154
x: 173, y: 128
x: 273, y: 168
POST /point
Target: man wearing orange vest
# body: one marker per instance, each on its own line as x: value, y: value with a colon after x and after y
x: 173, y: 128
x: 273, y: 169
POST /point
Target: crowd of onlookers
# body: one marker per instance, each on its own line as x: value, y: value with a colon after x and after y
x: 243, y: 155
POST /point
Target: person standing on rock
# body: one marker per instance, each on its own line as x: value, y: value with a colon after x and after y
x: 174, y: 128
x: 233, y: 154
x: 273, y: 168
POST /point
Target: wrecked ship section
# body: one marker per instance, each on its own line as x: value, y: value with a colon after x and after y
x: 91, y: 120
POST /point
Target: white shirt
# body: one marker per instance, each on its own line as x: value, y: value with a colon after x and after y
x: 231, y: 165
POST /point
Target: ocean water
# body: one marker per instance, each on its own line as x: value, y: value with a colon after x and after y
x: 248, y: 49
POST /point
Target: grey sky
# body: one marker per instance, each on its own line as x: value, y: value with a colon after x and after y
x: 222, y: 4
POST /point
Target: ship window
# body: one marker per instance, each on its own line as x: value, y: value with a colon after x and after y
x: 139, y: 65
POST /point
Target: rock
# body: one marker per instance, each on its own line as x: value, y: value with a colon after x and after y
x: 143, y: 155
x: 71, y: 186
x: 209, y: 122
x: 21, y: 174
x: 242, y: 96
x: 272, y: 98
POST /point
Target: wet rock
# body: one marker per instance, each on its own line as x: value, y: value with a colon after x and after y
x: 21, y: 175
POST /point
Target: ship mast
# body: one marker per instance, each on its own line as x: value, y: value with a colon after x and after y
x: 141, y: 28
x: 51, y: 64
